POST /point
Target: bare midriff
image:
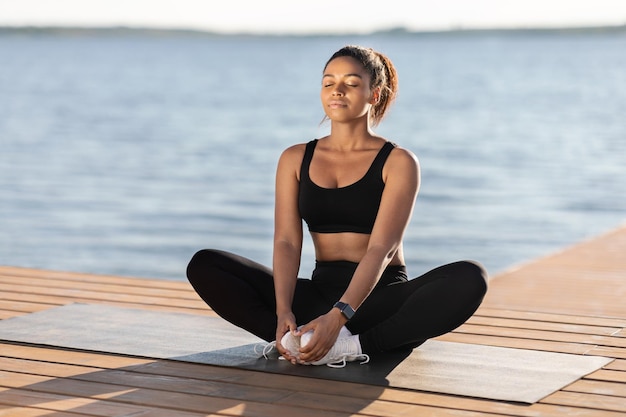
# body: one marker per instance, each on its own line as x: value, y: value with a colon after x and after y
x: 346, y: 246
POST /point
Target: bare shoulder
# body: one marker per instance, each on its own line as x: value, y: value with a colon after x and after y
x: 294, y: 151
x: 291, y: 159
x: 402, y: 166
x: 293, y: 154
x: 404, y: 158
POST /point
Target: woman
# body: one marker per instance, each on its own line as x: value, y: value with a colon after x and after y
x: 356, y: 192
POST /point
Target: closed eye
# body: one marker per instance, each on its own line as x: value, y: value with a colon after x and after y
x: 332, y: 84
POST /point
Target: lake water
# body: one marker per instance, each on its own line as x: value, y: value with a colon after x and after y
x: 126, y: 154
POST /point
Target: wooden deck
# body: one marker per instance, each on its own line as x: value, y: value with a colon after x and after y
x: 573, y: 301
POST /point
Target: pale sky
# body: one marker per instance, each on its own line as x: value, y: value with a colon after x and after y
x: 329, y: 16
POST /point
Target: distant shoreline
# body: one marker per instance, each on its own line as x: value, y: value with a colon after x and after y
x: 76, y: 31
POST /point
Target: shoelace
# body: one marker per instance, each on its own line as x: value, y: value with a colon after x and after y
x: 266, y: 349
x: 342, y: 362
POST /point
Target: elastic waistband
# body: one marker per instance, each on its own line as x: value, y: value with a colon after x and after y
x: 339, y: 274
x: 340, y: 264
x: 353, y: 265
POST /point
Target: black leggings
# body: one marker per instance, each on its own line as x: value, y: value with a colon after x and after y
x: 400, y: 313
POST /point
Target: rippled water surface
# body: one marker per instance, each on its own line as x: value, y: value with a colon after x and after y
x: 125, y: 155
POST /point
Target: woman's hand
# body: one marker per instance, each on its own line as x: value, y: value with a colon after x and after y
x: 286, y: 323
x: 325, y: 332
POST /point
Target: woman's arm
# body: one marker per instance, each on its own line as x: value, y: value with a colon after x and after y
x: 287, y: 239
x: 402, y: 180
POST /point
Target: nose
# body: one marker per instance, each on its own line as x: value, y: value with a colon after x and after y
x: 337, y: 91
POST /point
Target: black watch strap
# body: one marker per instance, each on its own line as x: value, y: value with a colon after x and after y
x: 345, y: 309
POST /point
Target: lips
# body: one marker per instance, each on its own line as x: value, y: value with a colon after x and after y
x: 335, y: 104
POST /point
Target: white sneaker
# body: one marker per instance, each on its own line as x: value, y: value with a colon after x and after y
x: 345, y: 349
x: 344, y: 332
x: 291, y: 343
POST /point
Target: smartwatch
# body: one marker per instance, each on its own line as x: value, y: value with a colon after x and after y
x: 345, y: 309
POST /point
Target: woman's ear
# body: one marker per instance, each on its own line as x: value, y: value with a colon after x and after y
x: 375, y: 96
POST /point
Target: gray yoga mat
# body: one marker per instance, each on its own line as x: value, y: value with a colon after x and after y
x: 442, y: 367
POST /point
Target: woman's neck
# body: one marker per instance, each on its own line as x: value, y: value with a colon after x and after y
x: 348, y: 136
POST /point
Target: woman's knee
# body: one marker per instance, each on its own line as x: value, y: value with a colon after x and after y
x: 475, y: 275
x: 201, y: 262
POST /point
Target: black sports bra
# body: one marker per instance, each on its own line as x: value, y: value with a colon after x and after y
x: 352, y: 208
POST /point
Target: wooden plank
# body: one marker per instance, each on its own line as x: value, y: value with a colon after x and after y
x: 28, y: 283
x: 6, y: 314
x: 9, y: 411
x: 262, y: 380
x: 22, y: 306
x: 541, y: 325
x: 52, y: 405
x: 78, y: 295
x: 178, y: 401
x: 590, y: 339
x: 136, y: 379
x: 608, y: 352
x: 209, y: 373
x: 585, y: 279
x: 608, y: 375
x: 615, y: 389
x: 17, y: 272
x: 242, y: 378
x: 582, y: 400
x: 49, y: 301
x: 10, y: 350
x: 486, y: 408
x: 189, y: 378
x: 347, y: 405
x: 551, y: 317
x: 617, y: 365
x: 79, y: 362
x: 41, y: 402
x: 302, y: 403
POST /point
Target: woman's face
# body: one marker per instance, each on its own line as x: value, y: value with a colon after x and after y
x: 346, y: 93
